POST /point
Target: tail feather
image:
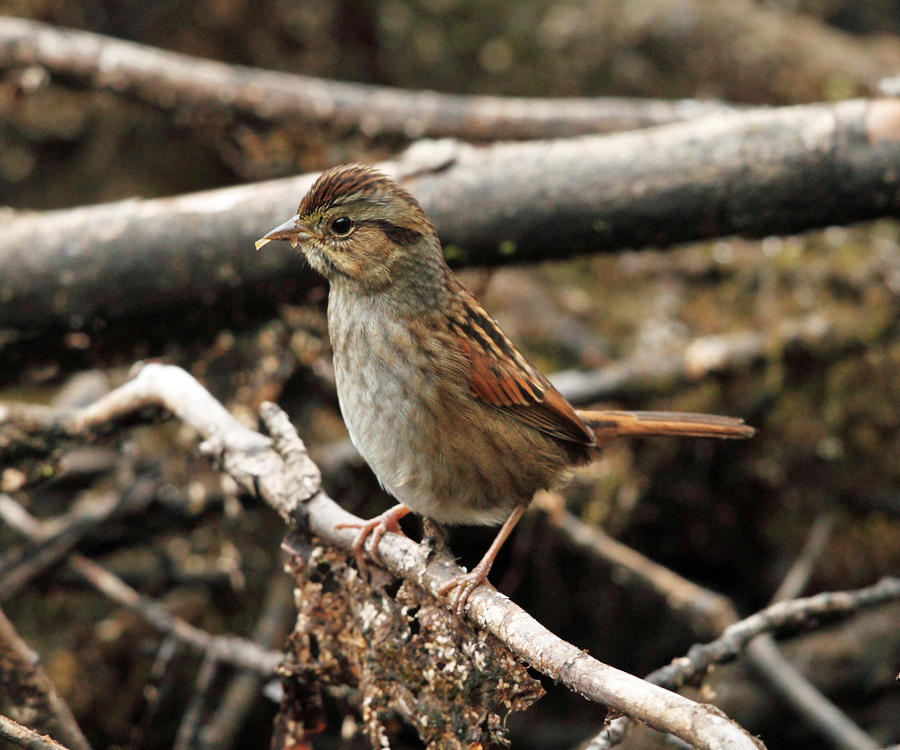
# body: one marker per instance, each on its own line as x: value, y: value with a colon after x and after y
x: 608, y: 425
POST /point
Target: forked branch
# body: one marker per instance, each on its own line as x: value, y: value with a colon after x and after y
x: 280, y: 471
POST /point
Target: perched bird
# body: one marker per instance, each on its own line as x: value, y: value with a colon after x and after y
x: 456, y: 424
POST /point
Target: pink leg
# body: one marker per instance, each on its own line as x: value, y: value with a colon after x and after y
x: 377, y: 527
x: 468, y: 582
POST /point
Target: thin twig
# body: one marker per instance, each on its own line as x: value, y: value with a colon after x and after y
x: 239, y: 696
x: 20, y: 566
x: 716, y: 612
x: 31, y: 693
x: 230, y: 649
x: 289, y: 481
x: 159, y: 682
x: 792, y: 613
x: 25, y: 737
x: 189, y: 729
x: 765, y: 658
x: 795, y: 612
x: 801, y: 570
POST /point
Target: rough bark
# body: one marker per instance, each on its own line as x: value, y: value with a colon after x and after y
x: 280, y: 472
x: 753, y: 173
x: 171, y: 81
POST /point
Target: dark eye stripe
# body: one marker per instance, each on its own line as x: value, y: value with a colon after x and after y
x: 398, y: 235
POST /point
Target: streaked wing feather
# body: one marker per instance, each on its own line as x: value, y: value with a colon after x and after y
x: 501, y: 377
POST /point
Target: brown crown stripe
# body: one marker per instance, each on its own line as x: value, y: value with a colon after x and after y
x: 337, y: 185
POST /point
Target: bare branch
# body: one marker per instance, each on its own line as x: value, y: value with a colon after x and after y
x: 801, y: 570
x: 715, y: 612
x: 229, y: 649
x: 19, y: 566
x: 169, y: 80
x: 791, y: 613
x: 25, y: 737
x: 708, y: 611
x: 250, y: 459
x: 719, y: 354
x: 30, y: 691
x: 753, y: 173
x: 222, y: 727
x: 189, y: 728
x: 290, y: 483
x: 820, y: 713
x: 781, y: 614
x: 765, y: 658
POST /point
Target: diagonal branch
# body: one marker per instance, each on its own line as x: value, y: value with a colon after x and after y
x: 284, y: 476
x: 711, y: 611
x: 228, y: 649
x: 735, y: 638
x: 32, y: 694
x: 25, y: 737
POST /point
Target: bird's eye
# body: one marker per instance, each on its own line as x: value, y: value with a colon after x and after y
x: 341, y: 225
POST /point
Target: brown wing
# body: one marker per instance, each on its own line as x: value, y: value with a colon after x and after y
x: 501, y: 377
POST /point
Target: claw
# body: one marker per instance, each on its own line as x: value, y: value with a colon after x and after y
x: 465, y: 585
x: 468, y: 582
x: 376, y: 528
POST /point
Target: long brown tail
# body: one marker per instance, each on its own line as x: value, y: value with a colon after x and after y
x: 608, y: 425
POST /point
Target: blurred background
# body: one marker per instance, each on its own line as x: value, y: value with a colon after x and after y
x: 733, y: 518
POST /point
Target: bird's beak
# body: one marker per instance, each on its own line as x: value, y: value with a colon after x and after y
x: 291, y: 230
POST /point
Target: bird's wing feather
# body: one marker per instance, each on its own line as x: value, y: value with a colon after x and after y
x: 501, y: 377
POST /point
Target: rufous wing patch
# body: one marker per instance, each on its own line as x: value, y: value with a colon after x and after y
x: 500, y: 376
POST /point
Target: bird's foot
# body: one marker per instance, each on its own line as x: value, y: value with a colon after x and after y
x: 376, y: 528
x: 468, y: 582
x: 465, y: 584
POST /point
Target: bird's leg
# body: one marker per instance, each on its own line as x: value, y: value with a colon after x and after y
x: 468, y: 582
x: 376, y: 527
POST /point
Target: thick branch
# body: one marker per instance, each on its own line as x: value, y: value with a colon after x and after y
x: 748, y: 50
x: 288, y: 480
x: 753, y: 173
x: 169, y: 80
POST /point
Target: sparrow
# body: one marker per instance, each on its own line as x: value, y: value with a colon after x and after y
x: 457, y: 425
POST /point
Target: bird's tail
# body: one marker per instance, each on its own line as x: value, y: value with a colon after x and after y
x: 608, y: 425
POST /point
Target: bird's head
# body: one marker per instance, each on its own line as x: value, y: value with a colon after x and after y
x: 357, y: 225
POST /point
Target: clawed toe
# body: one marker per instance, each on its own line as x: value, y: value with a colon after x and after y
x: 376, y: 528
x: 464, y: 584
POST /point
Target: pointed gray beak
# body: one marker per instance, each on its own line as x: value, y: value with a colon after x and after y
x: 291, y: 230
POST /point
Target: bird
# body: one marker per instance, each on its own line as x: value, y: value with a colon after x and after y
x: 455, y: 422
